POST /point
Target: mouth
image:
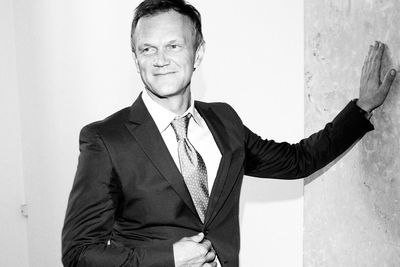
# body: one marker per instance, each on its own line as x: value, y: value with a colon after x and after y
x: 163, y: 73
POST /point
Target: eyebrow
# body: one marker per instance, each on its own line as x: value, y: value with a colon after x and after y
x: 169, y: 42
x: 146, y: 44
x: 174, y: 41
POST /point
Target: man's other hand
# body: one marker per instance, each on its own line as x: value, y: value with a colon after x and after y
x: 373, y: 90
x: 194, y: 251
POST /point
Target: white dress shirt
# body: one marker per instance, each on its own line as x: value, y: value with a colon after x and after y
x: 198, y: 134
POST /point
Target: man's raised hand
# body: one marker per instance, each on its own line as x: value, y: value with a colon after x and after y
x: 373, y: 90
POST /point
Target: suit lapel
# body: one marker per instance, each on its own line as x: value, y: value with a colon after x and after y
x: 220, y: 136
x: 143, y: 128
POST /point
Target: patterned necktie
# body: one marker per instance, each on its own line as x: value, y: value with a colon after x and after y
x: 193, y: 169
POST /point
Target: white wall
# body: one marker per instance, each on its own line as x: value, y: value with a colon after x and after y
x: 14, y: 240
x: 254, y: 61
x: 74, y: 66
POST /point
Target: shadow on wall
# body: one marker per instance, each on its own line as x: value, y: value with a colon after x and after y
x: 319, y: 173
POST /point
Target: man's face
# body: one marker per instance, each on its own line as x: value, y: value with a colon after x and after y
x: 165, y: 54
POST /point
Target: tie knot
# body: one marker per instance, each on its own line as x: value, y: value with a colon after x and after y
x: 180, y: 126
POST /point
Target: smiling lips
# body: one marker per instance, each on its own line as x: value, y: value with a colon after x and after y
x: 163, y: 73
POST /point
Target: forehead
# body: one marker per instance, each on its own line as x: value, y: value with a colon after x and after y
x: 164, y: 26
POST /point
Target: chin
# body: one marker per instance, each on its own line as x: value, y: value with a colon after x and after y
x: 167, y: 90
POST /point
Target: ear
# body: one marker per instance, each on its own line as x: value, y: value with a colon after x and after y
x: 198, y: 57
x: 136, y: 62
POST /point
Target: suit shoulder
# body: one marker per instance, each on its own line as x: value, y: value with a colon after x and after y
x: 212, y: 104
x: 216, y: 106
x: 221, y: 108
x: 112, y: 122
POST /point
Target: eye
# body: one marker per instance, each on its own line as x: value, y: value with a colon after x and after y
x: 174, y: 47
x: 148, y: 50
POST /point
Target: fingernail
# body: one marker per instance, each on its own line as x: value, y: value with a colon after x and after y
x: 393, y: 72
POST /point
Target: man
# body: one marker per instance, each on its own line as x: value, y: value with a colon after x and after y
x: 158, y: 183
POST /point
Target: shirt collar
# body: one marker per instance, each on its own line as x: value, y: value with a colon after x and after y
x: 163, y: 117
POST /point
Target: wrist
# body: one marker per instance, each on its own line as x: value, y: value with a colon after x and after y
x: 364, y: 108
x: 363, y: 105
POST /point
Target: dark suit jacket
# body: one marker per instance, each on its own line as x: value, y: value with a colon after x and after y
x: 129, y: 203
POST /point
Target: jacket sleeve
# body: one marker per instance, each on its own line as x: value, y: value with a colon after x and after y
x: 266, y: 158
x: 89, y: 219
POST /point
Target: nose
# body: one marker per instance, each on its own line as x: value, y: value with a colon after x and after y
x: 160, y: 59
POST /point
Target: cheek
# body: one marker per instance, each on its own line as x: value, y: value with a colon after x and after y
x: 189, y: 68
x: 186, y: 65
x: 144, y: 68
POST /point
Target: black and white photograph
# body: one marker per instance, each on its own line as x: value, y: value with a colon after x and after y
x: 175, y: 133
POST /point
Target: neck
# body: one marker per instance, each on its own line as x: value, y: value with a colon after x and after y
x: 177, y: 104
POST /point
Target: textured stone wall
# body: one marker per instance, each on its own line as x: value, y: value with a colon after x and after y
x: 352, y: 211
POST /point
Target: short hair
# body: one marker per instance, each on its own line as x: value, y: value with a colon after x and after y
x: 153, y: 7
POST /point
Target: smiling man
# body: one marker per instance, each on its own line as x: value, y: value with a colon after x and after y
x: 158, y: 183
x: 166, y: 54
